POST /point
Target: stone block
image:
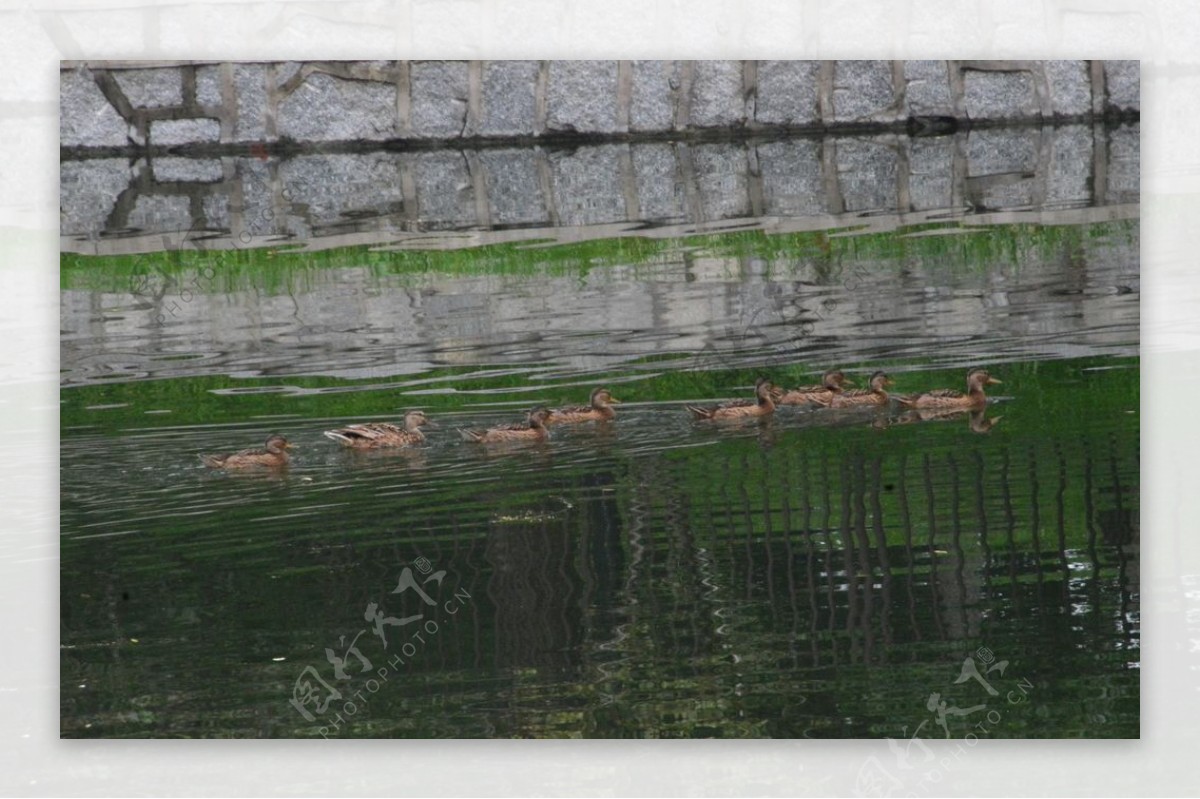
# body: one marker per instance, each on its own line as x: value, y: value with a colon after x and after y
x: 439, y: 98
x: 927, y: 89
x: 514, y: 188
x: 151, y: 88
x: 216, y: 211
x: 581, y: 96
x: 208, y: 86
x: 326, y: 108
x: 1070, y: 87
x: 341, y: 186
x: 867, y: 173
x: 787, y: 93
x: 930, y: 167
x: 1123, y: 82
x: 653, y: 102
x: 587, y: 185
x: 161, y: 213
x: 250, y: 83
x: 722, y: 174
x: 1124, y: 165
x: 445, y: 193
x: 791, y: 178
x: 1069, y: 173
x: 256, y: 215
x: 86, y: 119
x: 999, y: 151
x: 718, y: 96
x: 659, y: 189
x: 88, y: 190
x: 999, y: 94
x: 508, y: 98
x: 862, y: 91
x: 187, y: 170
x: 174, y: 132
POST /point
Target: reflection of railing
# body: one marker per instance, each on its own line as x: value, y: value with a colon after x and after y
x: 855, y: 557
x: 453, y: 199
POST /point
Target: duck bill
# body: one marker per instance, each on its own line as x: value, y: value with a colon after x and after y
x: 993, y: 381
x: 613, y: 400
x: 289, y: 445
x: 434, y: 425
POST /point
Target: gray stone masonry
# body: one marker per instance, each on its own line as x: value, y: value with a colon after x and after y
x: 392, y: 194
x: 110, y: 108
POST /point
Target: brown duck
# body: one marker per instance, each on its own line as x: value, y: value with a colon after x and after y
x: 380, y: 435
x: 947, y: 398
x: 766, y: 395
x: 272, y: 456
x: 832, y: 382
x: 599, y: 409
x: 534, y: 429
x: 876, y: 395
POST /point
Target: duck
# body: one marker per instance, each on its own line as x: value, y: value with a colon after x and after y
x: 832, y: 382
x: 876, y: 395
x: 380, y: 435
x: 534, y: 429
x: 947, y: 398
x: 273, y: 455
x: 598, y: 409
x: 766, y: 395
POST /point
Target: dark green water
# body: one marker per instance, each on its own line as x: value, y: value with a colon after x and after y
x: 818, y: 575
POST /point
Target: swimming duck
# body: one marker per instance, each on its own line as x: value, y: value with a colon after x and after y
x: 273, y: 456
x: 534, y: 429
x: 949, y: 398
x: 832, y: 383
x: 599, y: 409
x: 766, y: 395
x: 864, y: 397
x: 378, y: 435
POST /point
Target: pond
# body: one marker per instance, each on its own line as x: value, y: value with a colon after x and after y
x: 820, y: 573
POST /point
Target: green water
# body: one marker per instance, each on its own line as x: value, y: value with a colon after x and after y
x: 817, y: 575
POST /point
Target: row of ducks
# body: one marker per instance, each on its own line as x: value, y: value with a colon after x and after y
x: 832, y: 393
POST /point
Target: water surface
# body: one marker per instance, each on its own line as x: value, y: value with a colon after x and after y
x: 817, y: 575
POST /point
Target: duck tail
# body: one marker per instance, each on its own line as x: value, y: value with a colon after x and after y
x: 338, y: 436
x: 699, y: 413
x: 211, y: 461
x: 908, y: 400
x: 470, y: 435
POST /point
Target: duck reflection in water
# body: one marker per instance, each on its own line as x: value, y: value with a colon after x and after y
x: 977, y: 420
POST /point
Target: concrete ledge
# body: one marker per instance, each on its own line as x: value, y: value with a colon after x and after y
x: 109, y: 108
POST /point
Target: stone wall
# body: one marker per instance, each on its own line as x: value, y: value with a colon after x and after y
x: 459, y: 197
x: 132, y: 106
